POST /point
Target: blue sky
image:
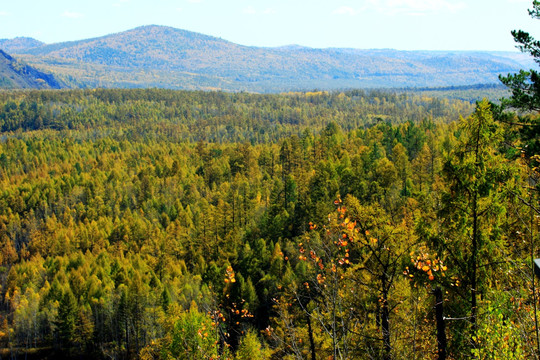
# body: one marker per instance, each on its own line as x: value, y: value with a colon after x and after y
x: 364, y: 24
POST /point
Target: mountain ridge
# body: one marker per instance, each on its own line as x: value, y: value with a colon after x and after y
x: 19, y: 44
x: 17, y: 75
x: 161, y: 56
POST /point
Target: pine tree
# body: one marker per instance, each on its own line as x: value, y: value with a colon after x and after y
x: 525, y: 85
x: 473, y: 208
x: 67, y: 316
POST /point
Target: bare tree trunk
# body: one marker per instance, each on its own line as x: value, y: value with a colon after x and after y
x: 439, y: 318
x: 311, y: 341
x: 474, y: 259
x: 473, y: 269
x: 385, y: 325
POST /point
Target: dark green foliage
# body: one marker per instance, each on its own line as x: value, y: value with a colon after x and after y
x: 525, y: 85
x: 525, y: 88
x: 67, y: 318
x: 473, y: 209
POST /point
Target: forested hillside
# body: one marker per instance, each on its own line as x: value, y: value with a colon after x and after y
x: 19, y: 44
x: 165, y: 57
x: 164, y: 224
x: 17, y: 75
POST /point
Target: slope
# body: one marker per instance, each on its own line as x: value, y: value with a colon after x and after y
x: 19, y: 44
x: 172, y: 58
x: 16, y: 75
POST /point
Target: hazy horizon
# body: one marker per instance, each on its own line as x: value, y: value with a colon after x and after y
x: 514, y: 50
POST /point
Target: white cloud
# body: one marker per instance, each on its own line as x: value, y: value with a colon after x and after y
x: 414, y: 7
x: 72, y: 15
x: 345, y: 10
x: 249, y: 10
x: 4, y: 13
x: 425, y: 5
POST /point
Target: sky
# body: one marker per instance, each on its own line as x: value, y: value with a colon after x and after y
x: 361, y: 24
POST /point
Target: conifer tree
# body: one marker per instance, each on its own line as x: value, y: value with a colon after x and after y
x: 473, y: 209
x: 525, y: 85
x: 67, y: 316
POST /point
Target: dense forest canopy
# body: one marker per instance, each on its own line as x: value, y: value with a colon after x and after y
x: 217, y: 116
x: 172, y: 224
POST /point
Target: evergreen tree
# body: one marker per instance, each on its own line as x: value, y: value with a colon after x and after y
x: 473, y: 210
x: 525, y: 85
x: 67, y: 317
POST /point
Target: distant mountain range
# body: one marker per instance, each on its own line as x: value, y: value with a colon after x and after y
x: 17, y: 75
x: 165, y: 57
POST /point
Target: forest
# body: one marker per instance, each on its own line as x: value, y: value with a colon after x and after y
x: 161, y: 224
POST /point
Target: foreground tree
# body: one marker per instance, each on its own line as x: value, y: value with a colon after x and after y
x: 472, y: 214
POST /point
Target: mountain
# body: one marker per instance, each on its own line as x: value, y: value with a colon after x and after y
x: 16, y: 75
x: 19, y: 44
x: 159, y: 56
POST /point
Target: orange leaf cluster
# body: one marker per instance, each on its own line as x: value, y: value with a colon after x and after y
x: 423, y: 264
x: 229, y: 275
